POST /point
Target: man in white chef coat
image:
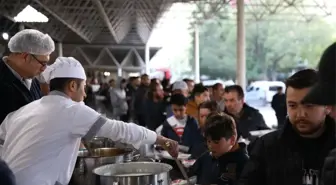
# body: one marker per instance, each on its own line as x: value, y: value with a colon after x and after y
x: 41, y: 139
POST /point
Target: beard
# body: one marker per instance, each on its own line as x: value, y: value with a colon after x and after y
x: 305, y: 127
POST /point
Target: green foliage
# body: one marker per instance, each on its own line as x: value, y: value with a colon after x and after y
x: 271, y: 46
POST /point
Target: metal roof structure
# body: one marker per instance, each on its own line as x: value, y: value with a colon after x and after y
x: 113, y: 33
x: 103, y: 33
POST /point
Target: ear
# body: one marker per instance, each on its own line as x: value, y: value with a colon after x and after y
x: 72, y: 86
x: 233, y: 140
x: 24, y: 55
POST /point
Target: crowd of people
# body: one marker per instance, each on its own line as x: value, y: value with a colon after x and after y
x: 213, y: 123
x: 216, y: 119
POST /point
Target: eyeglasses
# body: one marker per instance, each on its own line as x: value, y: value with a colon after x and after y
x: 43, y: 63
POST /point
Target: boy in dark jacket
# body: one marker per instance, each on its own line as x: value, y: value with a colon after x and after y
x: 226, y: 159
x: 181, y: 127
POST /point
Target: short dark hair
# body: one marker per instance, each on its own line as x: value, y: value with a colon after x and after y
x: 112, y: 80
x: 154, y: 80
x: 122, y: 81
x: 59, y: 84
x: 198, y: 89
x: 211, y: 105
x: 216, y: 86
x: 133, y: 78
x: 144, y: 76
x: 178, y: 99
x: 279, y: 88
x: 219, y: 125
x: 235, y: 88
x: 186, y: 80
x: 152, y: 88
x: 302, y: 79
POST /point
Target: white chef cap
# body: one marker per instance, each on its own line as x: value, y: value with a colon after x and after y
x: 64, y: 67
x: 31, y: 41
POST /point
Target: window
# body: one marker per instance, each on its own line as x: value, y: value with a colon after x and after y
x: 274, y: 88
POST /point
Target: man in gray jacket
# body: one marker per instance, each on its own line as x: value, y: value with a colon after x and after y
x: 119, y: 100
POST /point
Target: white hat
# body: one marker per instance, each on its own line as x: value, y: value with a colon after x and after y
x: 180, y: 85
x: 64, y: 67
x: 31, y: 41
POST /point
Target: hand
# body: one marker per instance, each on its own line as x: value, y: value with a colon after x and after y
x: 170, y: 145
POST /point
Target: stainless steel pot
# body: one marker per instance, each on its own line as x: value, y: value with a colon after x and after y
x: 101, y: 156
x: 133, y: 173
x: 146, y: 150
x: 99, y: 142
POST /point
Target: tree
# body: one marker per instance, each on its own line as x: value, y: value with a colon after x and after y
x: 272, y: 44
x: 214, y: 55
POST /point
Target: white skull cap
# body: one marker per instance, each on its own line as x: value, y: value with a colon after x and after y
x: 65, y: 67
x: 180, y: 85
x: 31, y: 41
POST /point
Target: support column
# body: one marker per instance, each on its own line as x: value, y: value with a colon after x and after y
x: 196, y: 55
x: 147, y: 58
x: 119, y: 72
x: 241, y: 60
x: 60, y: 49
x: 21, y: 27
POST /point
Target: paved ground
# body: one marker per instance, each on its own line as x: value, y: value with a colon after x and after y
x: 266, y: 111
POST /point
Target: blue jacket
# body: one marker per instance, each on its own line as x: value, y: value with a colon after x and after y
x: 224, y: 170
x: 6, y: 175
x: 191, y: 136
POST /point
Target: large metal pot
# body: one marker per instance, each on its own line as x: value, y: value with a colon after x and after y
x: 133, y: 173
x: 101, y: 156
x: 147, y: 150
x: 99, y: 142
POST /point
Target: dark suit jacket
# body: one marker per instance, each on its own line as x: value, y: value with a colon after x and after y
x: 13, y: 93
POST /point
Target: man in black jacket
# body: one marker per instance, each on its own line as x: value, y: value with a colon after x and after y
x: 28, y: 58
x: 247, y: 118
x: 139, y: 100
x: 294, y: 155
x: 279, y: 106
x: 324, y: 93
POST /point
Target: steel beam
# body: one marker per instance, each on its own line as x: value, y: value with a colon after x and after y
x: 163, y: 7
x: 107, y: 67
x: 124, y: 47
x: 100, y: 55
x: 84, y: 56
x: 112, y: 57
x: 106, y: 19
x: 126, y: 59
x: 53, y: 28
x: 142, y: 62
x: 84, y: 37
